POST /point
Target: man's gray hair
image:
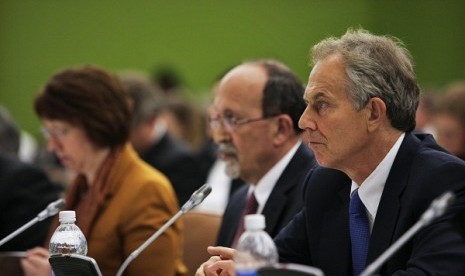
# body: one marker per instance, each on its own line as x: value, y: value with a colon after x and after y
x: 376, y: 66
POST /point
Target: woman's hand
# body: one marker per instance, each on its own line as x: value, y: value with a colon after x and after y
x: 36, y: 262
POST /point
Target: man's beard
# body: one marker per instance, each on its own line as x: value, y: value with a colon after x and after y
x: 233, y: 169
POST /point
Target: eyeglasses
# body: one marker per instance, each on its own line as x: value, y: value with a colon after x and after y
x: 54, y: 132
x: 231, y: 123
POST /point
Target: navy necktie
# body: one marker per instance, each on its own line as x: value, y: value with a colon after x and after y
x: 359, y: 233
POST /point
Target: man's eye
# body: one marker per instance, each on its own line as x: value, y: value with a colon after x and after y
x: 320, y: 105
x: 230, y: 119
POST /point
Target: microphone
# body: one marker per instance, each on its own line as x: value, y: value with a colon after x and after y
x: 196, y: 198
x: 52, y: 209
x: 435, y: 210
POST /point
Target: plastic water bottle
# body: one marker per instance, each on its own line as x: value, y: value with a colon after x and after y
x: 68, y: 238
x: 255, y: 248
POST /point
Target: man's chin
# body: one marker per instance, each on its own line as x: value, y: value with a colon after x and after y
x: 232, y: 170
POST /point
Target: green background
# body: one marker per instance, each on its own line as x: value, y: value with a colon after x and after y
x: 201, y: 39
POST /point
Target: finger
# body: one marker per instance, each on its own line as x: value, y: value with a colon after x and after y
x: 36, y: 265
x: 26, y: 264
x: 225, y: 267
x: 225, y: 253
x: 38, y: 251
x: 201, y: 270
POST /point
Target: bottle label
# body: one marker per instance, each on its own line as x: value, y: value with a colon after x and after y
x: 65, y: 248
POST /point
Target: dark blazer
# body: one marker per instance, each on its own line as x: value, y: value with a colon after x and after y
x: 459, y: 223
x: 174, y: 159
x: 319, y: 234
x: 24, y: 192
x: 284, y: 202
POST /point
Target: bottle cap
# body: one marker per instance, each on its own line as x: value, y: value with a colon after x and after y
x: 254, y: 222
x: 67, y: 216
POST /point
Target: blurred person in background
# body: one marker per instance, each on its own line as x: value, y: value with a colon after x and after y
x: 186, y: 122
x: 25, y: 191
x: 169, y: 80
x: 449, y: 120
x: 9, y: 134
x: 153, y: 142
x: 424, y: 115
x: 15, y: 141
x: 21, y: 145
x: 184, y: 119
x: 120, y: 201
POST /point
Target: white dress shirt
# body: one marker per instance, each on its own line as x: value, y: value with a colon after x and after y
x: 371, y: 189
x: 266, y: 184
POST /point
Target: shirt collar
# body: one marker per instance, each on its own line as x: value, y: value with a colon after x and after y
x: 371, y: 189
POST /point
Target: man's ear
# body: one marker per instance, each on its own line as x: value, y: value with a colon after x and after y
x: 376, y: 113
x: 283, y: 129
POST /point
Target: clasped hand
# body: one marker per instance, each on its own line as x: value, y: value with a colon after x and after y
x: 220, y: 264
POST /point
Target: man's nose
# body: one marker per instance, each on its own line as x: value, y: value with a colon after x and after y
x: 306, y: 120
x: 221, y: 134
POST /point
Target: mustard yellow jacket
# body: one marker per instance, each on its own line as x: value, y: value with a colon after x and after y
x: 141, y: 200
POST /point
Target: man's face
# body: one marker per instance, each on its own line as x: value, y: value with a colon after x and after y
x: 334, y: 130
x: 246, y: 147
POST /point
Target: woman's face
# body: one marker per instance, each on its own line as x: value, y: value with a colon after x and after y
x: 70, y: 144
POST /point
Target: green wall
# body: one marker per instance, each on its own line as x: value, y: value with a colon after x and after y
x: 203, y: 38
x: 433, y: 30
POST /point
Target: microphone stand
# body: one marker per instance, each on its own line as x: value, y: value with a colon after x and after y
x: 51, y: 210
x: 436, y: 209
x: 196, y: 198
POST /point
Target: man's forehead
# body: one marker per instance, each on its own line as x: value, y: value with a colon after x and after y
x: 326, y: 77
x: 315, y: 90
x: 238, y: 97
x: 233, y: 105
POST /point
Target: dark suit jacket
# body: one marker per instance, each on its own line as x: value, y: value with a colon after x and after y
x: 319, y: 234
x: 24, y: 192
x: 173, y: 159
x: 459, y: 223
x: 284, y: 202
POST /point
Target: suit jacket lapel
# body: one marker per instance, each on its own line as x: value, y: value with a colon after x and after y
x: 335, y: 254
x: 278, y: 198
x: 235, y: 185
x: 389, y: 206
x: 232, y: 221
